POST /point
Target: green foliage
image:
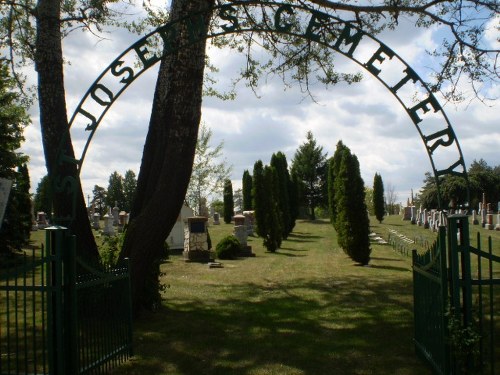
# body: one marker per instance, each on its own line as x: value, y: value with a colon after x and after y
x: 217, y: 205
x: 43, y: 197
x: 267, y: 215
x: 99, y: 199
x: 482, y: 179
x: 352, y: 223
x: 247, y: 191
x: 279, y: 163
x: 378, y: 197
x: 129, y: 190
x: 464, y: 340
x: 309, y: 165
x: 110, y: 249
x: 209, y: 171
x: 115, y: 194
x: 228, y: 248
x: 14, y: 231
x: 258, y: 195
x: 293, y: 189
x: 228, y: 201
x: 272, y: 223
x: 333, y: 170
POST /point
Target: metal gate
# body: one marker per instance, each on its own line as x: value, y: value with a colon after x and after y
x: 430, y: 302
x: 456, y: 303
x: 60, y: 316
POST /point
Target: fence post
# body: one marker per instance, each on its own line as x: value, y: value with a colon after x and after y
x: 460, y: 270
x: 54, y: 238
x: 61, y: 306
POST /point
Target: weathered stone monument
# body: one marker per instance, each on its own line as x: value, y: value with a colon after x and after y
x: 196, y: 240
x: 108, y: 230
x: 116, y: 215
x: 497, y: 227
x: 41, y: 220
x: 249, y: 221
x: 489, y: 218
x: 95, y: 221
x: 240, y: 232
x: 216, y: 218
x: 474, y: 218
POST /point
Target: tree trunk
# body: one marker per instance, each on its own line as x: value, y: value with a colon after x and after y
x: 167, y: 157
x: 54, y: 124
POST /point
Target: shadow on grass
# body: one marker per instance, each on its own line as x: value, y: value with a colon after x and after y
x: 302, y: 237
x: 347, y: 326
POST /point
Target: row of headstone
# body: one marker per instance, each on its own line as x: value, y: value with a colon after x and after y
x: 486, y: 214
x: 113, y: 218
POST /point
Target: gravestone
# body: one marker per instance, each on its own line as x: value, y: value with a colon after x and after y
x: 108, y: 230
x: 474, y: 218
x: 497, y: 227
x: 95, y: 221
x: 116, y: 215
x: 426, y: 219
x: 41, y: 220
x: 196, y: 240
x: 489, y: 217
x: 249, y: 221
x: 216, y: 218
x: 175, y: 239
x: 240, y: 232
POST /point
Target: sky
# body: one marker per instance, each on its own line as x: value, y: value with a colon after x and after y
x: 365, y: 116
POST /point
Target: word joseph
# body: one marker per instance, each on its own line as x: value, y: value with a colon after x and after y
x: 400, y: 79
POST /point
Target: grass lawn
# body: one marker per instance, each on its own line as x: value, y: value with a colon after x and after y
x: 307, y: 309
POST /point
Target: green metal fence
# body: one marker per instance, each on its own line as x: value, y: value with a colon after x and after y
x: 23, y: 315
x: 456, y: 303
x: 474, y: 299
x: 430, y: 303
x: 60, y: 316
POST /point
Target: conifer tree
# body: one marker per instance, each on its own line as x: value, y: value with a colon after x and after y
x: 352, y: 223
x: 309, y: 164
x: 272, y: 222
x: 258, y: 194
x: 293, y: 188
x: 247, y: 190
x: 333, y: 170
x: 378, y: 197
x: 278, y: 162
x: 228, y: 201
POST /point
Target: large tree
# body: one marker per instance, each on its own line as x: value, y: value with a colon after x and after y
x: 309, y: 165
x: 168, y: 154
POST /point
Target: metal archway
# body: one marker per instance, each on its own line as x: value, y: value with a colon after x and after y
x: 364, y: 49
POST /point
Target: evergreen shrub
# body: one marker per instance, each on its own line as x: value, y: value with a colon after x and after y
x: 228, y: 248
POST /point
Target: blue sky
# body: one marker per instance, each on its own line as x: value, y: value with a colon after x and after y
x: 365, y: 116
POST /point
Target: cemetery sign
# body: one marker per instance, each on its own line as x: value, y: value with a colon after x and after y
x: 378, y: 59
